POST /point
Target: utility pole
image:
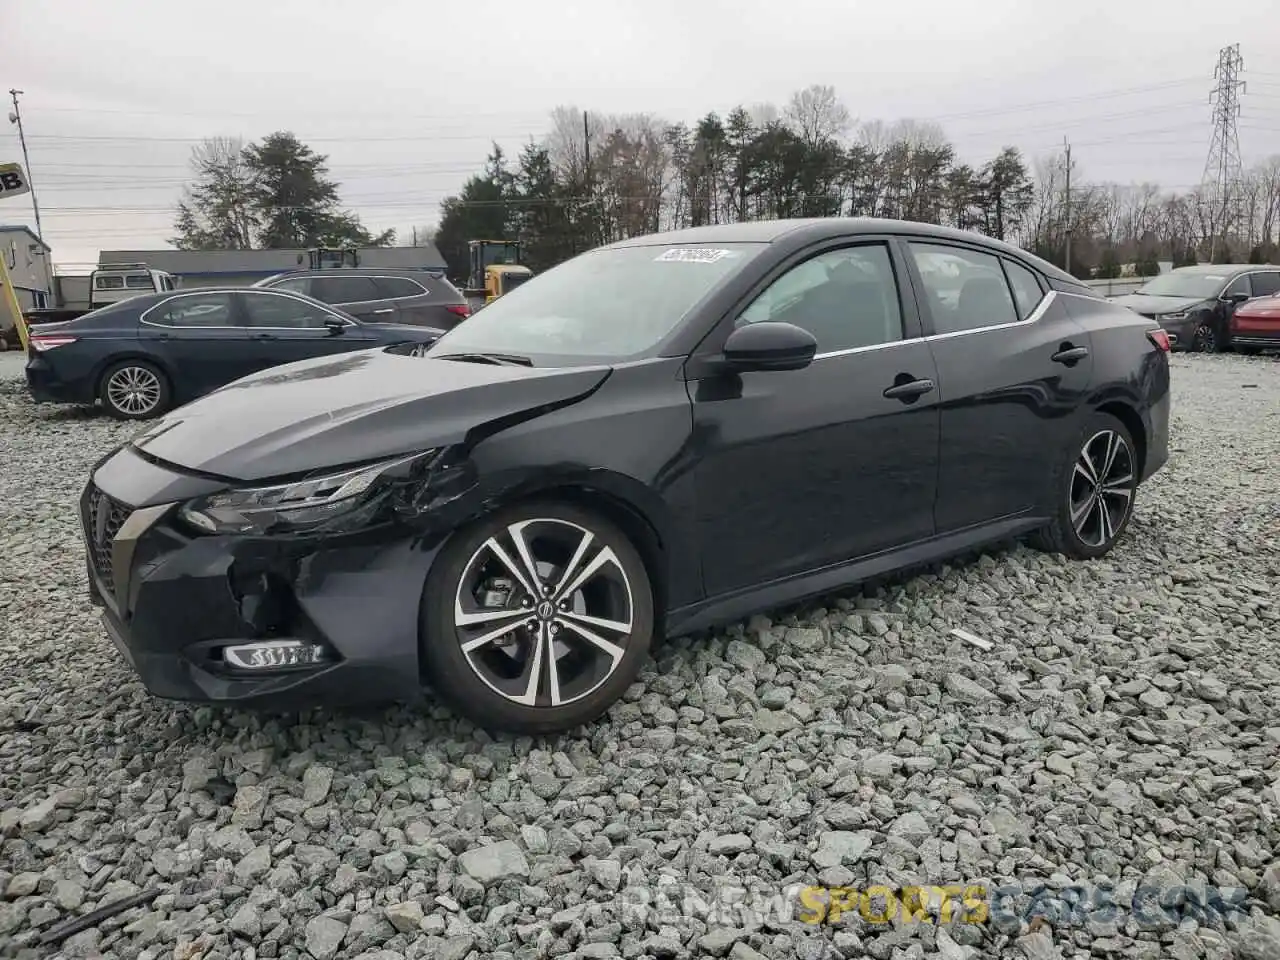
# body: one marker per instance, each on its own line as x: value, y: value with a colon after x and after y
x: 1067, y: 205
x: 415, y: 236
x: 1222, y: 168
x: 16, y: 117
x: 586, y: 177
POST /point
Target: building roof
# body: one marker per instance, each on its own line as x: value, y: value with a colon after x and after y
x: 216, y: 263
x: 10, y: 227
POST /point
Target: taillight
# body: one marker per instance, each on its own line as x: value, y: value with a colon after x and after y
x: 47, y: 341
x: 460, y: 309
x: 1160, y: 338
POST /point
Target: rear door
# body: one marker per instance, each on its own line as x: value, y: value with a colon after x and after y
x: 283, y: 328
x: 1013, y: 371
x: 200, y: 341
x: 358, y: 296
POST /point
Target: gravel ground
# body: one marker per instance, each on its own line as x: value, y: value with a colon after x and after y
x: 1121, y: 740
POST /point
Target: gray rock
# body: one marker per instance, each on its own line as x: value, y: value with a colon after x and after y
x: 729, y: 845
x: 324, y: 935
x: 494, y: 862
x: 841, y: 847
x: 406, y: 917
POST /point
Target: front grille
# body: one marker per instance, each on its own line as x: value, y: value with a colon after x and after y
x: 105, y: 518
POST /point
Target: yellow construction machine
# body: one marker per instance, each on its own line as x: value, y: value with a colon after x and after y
x: 495, y: 269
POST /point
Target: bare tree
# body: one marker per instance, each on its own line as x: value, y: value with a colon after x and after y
x: 816, y: 115
x: 216, y: 210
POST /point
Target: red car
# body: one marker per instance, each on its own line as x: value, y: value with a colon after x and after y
x: 1255, y: 325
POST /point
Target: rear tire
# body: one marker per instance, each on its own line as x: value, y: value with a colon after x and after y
x: 577, y: 603
x: 134, y: 390
x: 1093, y: 489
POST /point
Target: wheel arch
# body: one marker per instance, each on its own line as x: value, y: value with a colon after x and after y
x: 100, y: 371
x: 1132, y: 420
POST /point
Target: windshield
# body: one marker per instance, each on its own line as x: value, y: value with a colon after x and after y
x: 603, y: 306
x: 1202, y: 286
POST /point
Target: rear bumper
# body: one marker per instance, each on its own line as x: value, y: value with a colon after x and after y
x: 172, y: 602
x: 45, y: 386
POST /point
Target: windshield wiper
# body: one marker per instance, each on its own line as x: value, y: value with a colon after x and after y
x: 502, y: 359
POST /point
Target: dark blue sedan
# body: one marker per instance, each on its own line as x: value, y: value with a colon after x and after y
x: 143, y: 356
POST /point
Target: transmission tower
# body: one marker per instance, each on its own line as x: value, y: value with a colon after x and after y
x: 1222, y: 169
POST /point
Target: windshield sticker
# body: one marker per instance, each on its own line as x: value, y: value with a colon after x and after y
x: 694, y: 255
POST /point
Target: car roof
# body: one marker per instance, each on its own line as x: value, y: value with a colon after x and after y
x: 408, y: 272
x: 1225, y: 269
x: 820, y: 228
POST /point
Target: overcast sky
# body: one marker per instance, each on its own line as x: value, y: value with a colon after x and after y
x: 405, y: 95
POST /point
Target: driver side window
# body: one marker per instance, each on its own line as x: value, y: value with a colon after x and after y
x: 1239, y: 286
x: 846, y: 298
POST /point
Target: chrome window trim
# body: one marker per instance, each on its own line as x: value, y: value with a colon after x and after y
x: 425, y: 292
x: 1041, y: 309
x: 1247, y: 273
x: 263, y: 291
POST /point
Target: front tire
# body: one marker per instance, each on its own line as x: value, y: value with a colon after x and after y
x: 1206, y: 339
x: 1093, y: 491
x: 134, y: 390
x: 536, y: 619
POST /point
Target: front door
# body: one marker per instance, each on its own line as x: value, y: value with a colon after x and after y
x: 283, y: 328
x: 800, y: 469
x: 1013, y: 368
x: 198, y: 337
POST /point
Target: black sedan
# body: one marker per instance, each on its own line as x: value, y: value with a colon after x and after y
x: 1195, y: 304
x: 143, y: 356
x: 655, y: 437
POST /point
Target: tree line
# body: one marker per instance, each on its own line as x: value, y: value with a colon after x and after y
x: 271, y: 194
x: 598, y: 178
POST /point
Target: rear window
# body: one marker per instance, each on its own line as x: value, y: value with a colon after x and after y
x: 393, y: 288
x: 108, y: 283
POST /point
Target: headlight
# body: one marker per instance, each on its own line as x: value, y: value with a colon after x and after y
x: 306, y: 504
x: 1172, y: 316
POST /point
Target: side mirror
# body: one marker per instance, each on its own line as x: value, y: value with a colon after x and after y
x: 335, y: 326
x: 1236, y: 298
x: 769, y: 345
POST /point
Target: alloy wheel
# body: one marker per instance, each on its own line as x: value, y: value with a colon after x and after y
x: 543, y: 612
x: 134, y: 390
x: 1206, y: 341
x: 1102, y: 485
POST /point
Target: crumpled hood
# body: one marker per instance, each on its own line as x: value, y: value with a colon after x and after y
x: 1150, y: 306
x: 355, y: 407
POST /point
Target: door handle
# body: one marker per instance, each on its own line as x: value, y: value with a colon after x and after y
x: 388, y: 310
x: 908, y: 391
x: 1070, y: 355
x: 263, y: 336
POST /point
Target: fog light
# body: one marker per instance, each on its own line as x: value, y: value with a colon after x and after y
x: 272, y: 654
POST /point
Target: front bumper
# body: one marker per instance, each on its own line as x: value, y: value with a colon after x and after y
x: 172, y: 601
x: 1181, y: 333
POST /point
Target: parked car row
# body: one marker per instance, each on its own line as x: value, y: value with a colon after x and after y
x: 1213, y: 307
x: 143, y: 356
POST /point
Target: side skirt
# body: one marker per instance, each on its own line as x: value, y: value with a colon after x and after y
x: 743, y: 603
